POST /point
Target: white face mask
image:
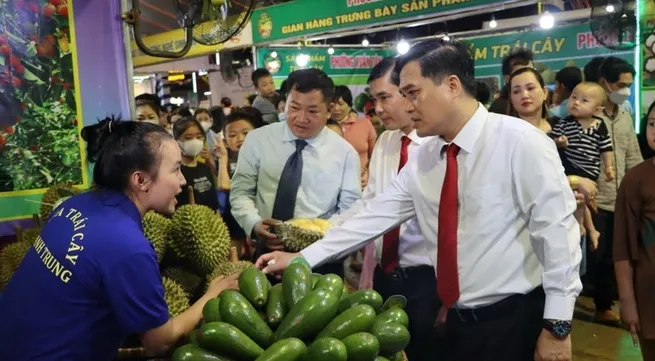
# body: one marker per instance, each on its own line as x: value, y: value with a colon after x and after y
x: 206, y: 126
x: 227, y: 111
x: 619, y: 97
x: 191, y: 148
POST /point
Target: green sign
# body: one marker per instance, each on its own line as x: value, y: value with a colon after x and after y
x: 309, y: 17
x: 343, y: 62
x: 553, y: 49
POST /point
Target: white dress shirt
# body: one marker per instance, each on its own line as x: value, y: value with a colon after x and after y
x: 383, y: 169
x: 516, y: 227
x: 331, y: 180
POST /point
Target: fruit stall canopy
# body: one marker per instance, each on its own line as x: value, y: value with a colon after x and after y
x: 309, y: 17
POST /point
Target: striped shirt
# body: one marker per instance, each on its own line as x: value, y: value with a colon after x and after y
x: 585, y: 145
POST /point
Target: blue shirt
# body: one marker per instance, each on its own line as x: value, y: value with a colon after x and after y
x: 90, y: 280
x: 331, y: 179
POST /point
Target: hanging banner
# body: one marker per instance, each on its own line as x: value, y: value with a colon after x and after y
x: 175, y: 40
x: 309, y: 17
x: 344, y: 62
x: 350, y: 67
x: 553, y: 49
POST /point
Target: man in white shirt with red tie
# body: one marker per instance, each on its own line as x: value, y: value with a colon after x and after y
x: 491, y: 196
x: 398, y: 263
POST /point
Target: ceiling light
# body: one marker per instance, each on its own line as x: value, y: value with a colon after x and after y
x: 330, y: 50
x: 493, y: 23
x: 365, y: 42
x: 609, y: 8
x: 302, y: 60
x: 547, y: 21
x: 274, y: 54
x: 446, y: 38
x: 402, y: 47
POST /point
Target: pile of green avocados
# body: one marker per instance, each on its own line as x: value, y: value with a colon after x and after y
x: 307, y: 317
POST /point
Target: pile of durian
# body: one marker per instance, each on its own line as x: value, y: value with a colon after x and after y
x: 193, y: 248
x: 299, y: 233
x: 12, y: 255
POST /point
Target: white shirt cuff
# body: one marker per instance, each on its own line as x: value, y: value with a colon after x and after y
x: 559, y: 308
x: 313, y: 255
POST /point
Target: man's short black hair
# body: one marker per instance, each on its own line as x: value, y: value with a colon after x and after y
x: 439, y: 58
x: 518, y: 56
x: 306, y: 80
x: 612, y: 68
x: 591, y: 69
x: 258, y: 74
x: 569, y: 76
x: 382, y: 68
x: 482, y: 92
x: 247, y: 114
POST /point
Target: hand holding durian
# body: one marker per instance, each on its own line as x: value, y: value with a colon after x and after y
x: 298, y: 233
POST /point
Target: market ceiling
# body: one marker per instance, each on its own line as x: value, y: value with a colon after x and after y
x: 160, y: 16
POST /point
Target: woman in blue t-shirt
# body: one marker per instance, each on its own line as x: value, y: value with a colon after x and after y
x: 92, y: 277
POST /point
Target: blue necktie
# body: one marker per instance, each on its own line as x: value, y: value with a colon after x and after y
x: 287, y: 188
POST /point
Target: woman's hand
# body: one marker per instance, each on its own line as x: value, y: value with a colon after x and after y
x: 630, y: 319
x: 221, y: 283
x: 587, y: 187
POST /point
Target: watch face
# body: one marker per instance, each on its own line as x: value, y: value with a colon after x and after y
x: 561, y: 329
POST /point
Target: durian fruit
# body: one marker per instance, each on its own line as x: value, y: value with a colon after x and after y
x: 228, y: 269
x: 30, y: 234
x: 52, y: 197
x: 185, y: 278
x: 176, y: 299
x: 156, y: 229
x: 323, y: 223
x: 297, y: 234
x: 199, y: 235
x: 10, y: 258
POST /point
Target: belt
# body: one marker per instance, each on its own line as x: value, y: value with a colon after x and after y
x: 496, y: 310
x: 404, y: 273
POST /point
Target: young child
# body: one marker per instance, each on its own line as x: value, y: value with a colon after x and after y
x: 585, y: 140
x: 191, y: 137
x: 237, y: 126
x: 263, y: 82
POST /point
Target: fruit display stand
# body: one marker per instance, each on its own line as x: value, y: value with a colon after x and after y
x: 139, y: 353
x: 306, y: 317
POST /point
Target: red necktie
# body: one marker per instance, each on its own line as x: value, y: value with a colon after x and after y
x: 447, y: 277
x: 390, y: 259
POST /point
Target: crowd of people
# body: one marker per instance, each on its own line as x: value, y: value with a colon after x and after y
x: 488, y: 219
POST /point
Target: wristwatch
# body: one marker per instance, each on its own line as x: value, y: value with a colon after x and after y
x: 559, y: 329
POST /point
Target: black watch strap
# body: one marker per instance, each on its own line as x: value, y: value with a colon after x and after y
x: 558, y: 328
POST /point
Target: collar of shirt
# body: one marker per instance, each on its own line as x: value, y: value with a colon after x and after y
x: 117, y: 199
x: 398, y: 134
x: 315, y: 141
x: 619, y: 112
x: 350, y: 119
x: 467, y: 138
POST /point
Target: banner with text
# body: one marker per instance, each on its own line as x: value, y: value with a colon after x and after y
x: 343, y: 62
x: 349, y: 67
x: 554, y: 49
x: 309, y: 17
